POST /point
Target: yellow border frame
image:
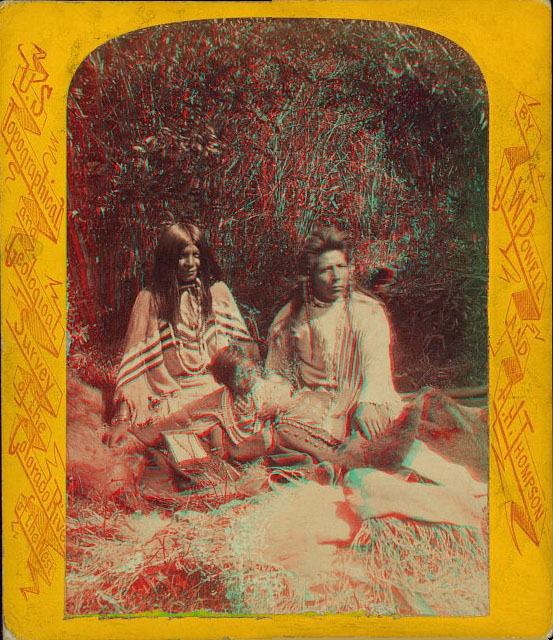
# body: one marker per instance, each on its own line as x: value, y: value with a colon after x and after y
x: 43, y: 43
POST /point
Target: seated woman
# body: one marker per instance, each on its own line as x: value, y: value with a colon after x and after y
x: 176, y: 326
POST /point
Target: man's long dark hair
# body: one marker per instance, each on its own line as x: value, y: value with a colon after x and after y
x: 172, y: 241
x: 322, y: 239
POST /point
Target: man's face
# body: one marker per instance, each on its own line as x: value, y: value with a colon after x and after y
x: 330, y: 276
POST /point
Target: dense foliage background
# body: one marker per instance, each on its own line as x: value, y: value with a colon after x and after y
x: 260, y: 129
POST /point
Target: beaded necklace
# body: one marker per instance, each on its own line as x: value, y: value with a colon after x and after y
x: 245, y: 407
x: 328, y: 354
x: 194, y: 321
x: 194, y: 317
x: 332, y: 370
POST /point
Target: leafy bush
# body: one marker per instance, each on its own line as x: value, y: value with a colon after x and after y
x: 258, y: 130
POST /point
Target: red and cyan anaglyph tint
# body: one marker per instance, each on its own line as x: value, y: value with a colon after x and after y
x: 258, y: 132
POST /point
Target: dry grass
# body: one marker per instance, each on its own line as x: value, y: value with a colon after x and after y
x: 222, y: 560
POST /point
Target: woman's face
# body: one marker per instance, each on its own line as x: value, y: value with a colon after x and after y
x: 330, y: 276
x: 188, y: 264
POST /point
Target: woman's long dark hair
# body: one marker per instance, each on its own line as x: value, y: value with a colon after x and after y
x: 172, y: 241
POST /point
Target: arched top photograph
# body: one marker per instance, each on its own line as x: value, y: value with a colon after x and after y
x: 277, y: 358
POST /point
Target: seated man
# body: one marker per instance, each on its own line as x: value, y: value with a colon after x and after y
x: 332, y: 343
